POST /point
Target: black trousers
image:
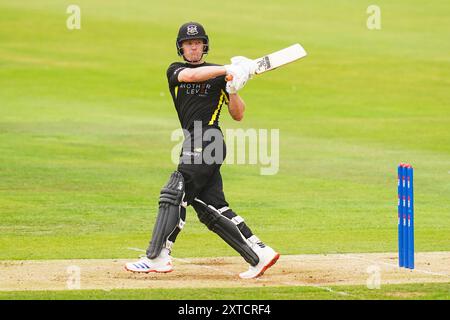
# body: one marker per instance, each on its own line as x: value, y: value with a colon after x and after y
x: 200, y: 162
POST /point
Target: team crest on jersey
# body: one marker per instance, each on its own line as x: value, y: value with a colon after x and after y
x: 192, y: 30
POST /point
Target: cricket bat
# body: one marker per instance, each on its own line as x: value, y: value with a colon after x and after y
x: 277, y: 59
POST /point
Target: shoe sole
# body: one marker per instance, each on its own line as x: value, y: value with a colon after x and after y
x: 149, y: 271
x: 267, y: 266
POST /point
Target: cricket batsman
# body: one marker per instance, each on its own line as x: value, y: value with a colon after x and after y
x: 199, y: 90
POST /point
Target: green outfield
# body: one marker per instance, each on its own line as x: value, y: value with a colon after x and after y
x: 86, y: 120
x: 425, y: 291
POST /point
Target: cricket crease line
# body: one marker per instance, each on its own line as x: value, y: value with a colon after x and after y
x: 190, y: 262
x: 206, y: 267
x: 318, y: 286
x: 346, y: 256
x: 342, y: 293
x: 343, y: 256
x: 136, y: 249
x: 396, y: 266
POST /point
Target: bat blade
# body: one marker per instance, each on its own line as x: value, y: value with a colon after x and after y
x: 280, y: 58
x: 277, y: 59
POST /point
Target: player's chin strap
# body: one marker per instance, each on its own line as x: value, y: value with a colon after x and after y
x: 227, y: 228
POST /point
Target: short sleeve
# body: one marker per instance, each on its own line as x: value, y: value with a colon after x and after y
x: 172, y: 73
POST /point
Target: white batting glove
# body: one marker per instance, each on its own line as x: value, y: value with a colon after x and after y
x: 230, y: 88
x: 234, y: 70
x: 240, y: 76
x: 239, y: 82
x: 247, y: 64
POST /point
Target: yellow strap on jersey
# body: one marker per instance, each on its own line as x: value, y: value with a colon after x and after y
x: 219, y: 106
x: 225, y: 96
x: 176, y: 91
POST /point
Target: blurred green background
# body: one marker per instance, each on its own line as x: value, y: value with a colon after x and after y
x: 86, y: 119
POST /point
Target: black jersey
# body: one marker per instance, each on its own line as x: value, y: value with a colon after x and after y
x: 197, y: 101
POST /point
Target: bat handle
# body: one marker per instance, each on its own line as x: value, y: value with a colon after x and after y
x: 229, y: 77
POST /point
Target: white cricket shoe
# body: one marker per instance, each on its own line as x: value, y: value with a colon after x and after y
x: 267, y: 258
x: 146, y: 265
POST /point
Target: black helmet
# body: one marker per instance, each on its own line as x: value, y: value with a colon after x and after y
x: 192, y: 30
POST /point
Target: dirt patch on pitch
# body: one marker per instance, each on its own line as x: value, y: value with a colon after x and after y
x: 290, y: 270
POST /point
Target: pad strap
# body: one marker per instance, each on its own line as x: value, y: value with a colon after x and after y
x: 226, y: 228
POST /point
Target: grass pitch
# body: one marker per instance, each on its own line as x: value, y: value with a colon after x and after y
x: 86, y: 118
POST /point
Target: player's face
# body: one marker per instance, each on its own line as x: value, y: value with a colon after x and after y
x: 192, y: 49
